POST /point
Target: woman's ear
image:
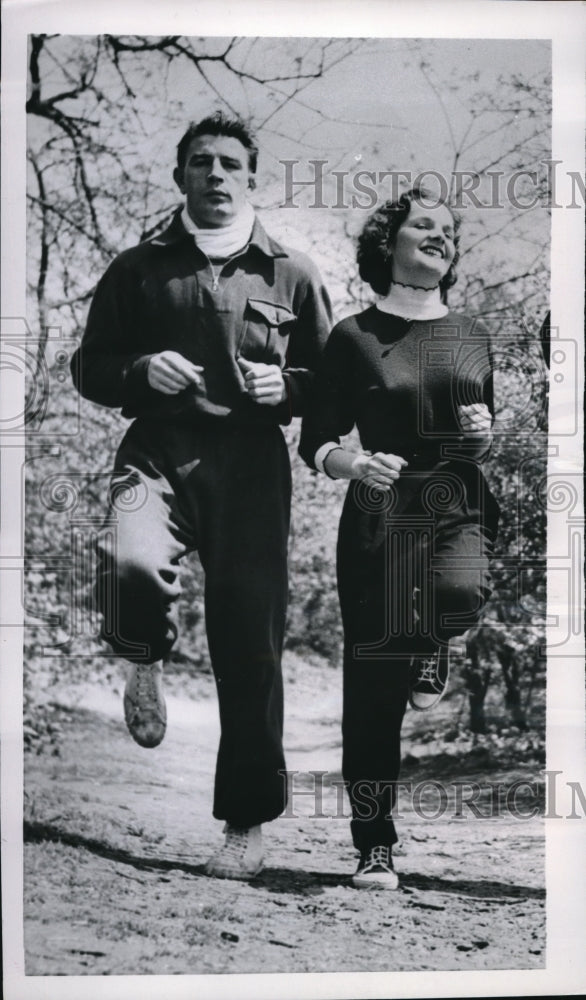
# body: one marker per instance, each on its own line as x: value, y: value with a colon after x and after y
x: 251, y: 182
x: 178, y: 178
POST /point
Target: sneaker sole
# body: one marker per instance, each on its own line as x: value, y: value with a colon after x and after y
x: 234, y: 875
x: 432, y: 704
x: 375, y: 882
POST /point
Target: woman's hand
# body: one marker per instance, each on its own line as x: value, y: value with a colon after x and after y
x: 264, y: 383
x: 170, y: 372
x: 475, y: 420
x: 380, y: 470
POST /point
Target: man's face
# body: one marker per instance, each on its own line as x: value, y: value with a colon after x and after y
x: 215, y: 179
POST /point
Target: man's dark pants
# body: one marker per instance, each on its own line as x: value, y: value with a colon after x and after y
x: 224, y: 491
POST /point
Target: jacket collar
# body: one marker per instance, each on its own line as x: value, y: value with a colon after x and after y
x: 260, y: 239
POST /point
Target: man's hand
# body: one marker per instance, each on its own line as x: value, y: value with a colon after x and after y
x: 475, y: 420
x: 170, y: 372
x: 264, y: 383
x: 380, y: 469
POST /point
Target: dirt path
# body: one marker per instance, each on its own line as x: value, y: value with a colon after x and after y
x: 116, y: 838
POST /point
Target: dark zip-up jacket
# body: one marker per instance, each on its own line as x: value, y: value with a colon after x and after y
x: 267, y: 304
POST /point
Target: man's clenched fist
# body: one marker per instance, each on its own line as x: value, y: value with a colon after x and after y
x: 264, y: 383
x: 170, y: 372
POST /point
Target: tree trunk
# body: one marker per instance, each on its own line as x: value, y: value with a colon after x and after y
x: 510, y: 665
x: 477, y: 675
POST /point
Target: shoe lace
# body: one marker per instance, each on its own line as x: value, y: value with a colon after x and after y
x: 236, y: 844
x: 428, y: 669
x: 145, y: 684
x: 144, y: 681
x: 378, y: 857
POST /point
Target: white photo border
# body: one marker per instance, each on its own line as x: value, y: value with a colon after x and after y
x: 564, y: 23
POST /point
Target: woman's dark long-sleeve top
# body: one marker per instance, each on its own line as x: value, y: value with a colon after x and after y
x: 400, y: 382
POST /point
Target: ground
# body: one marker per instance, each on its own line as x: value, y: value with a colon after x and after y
x: 116, y: 838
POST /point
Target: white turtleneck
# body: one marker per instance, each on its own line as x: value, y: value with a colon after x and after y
x: 409, y: 302
x: 225, y: 240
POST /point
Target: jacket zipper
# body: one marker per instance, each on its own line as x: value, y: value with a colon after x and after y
x: 215, y: 274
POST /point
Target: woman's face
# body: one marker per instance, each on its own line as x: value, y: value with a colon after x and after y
x: 424, y: 248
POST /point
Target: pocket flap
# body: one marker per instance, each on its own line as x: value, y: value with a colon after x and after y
x: 272, y: 312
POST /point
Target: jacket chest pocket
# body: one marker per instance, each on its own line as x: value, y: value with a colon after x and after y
x: 265, y: 332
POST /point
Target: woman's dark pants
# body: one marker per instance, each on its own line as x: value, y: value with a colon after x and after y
x: 224, y: 491
x: 435, y: 566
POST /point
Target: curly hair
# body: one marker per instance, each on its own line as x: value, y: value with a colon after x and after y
x: 376, y: 241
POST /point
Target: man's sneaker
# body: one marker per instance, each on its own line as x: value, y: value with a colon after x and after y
x: 375, y: 870
x: 428, y: 679
x: 144, y: 704
x: 240, y: 856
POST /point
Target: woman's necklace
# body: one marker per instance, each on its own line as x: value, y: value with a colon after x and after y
x: 420, y: 288
x: 413, y: 302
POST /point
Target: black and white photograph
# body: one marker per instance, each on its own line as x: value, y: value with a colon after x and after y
x: 292, y: 566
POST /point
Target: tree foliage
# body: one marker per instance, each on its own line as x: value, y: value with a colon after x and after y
x: 105, y: 113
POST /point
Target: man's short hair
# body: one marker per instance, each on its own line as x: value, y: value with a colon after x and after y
x: 220, y: 124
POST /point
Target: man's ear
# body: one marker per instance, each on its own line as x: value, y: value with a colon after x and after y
x: 178, y: 178
x: 251, y: 182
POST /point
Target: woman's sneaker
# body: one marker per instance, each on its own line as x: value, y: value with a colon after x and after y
x: 145, y: 711
x: 428, y: 679
x: 375, y: 870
